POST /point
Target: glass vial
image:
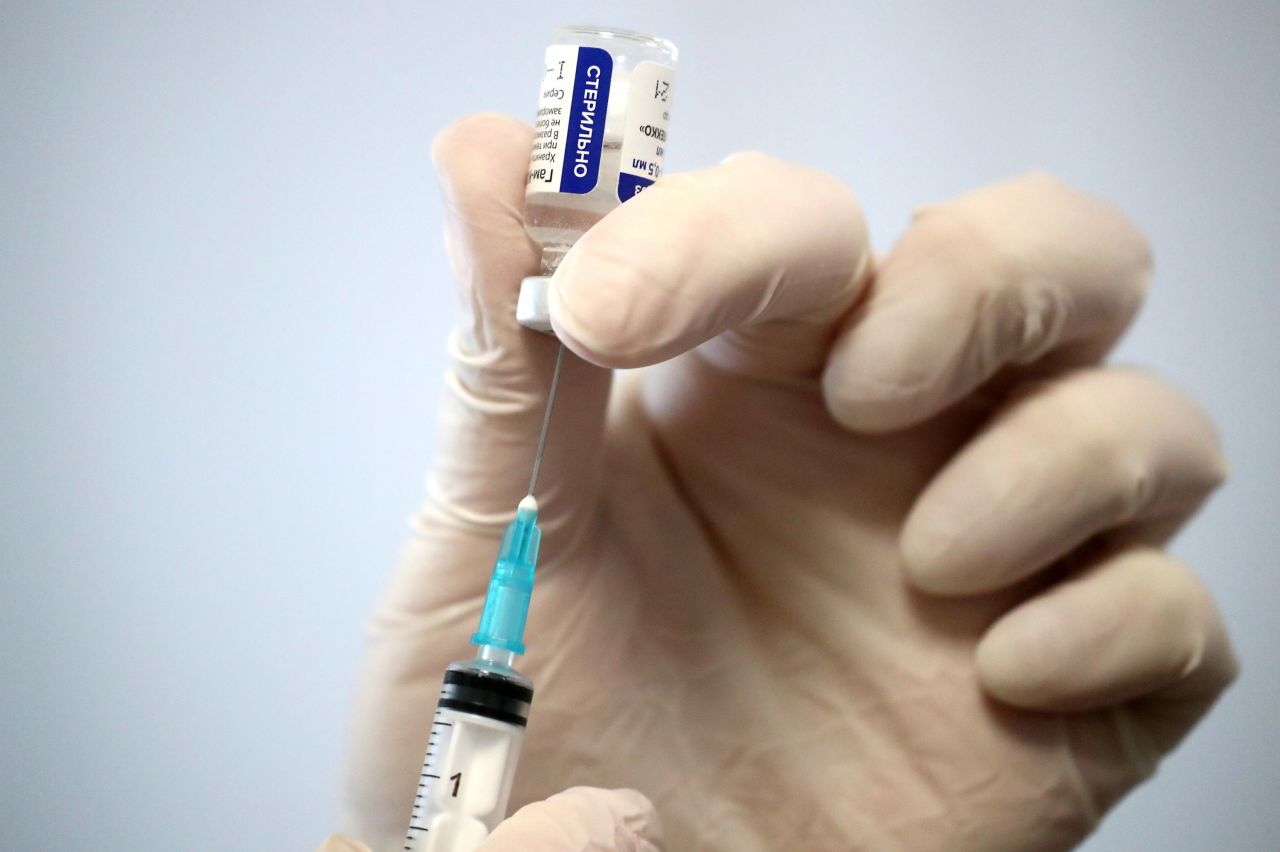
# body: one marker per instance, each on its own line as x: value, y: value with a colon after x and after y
x: 599, y: 139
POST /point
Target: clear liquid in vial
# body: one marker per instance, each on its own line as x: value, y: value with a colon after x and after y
x: 555, y: 220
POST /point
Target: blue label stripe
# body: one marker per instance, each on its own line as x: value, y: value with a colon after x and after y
x: 585, y: 138
x: 629, y: 185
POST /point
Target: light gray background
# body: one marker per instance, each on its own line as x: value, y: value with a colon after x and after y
x: 224, y: 301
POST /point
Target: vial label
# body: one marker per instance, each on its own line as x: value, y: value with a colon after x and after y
x: 644, y: 136
x: 569, y: 132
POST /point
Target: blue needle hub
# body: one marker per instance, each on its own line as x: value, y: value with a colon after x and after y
x: 507, y: 605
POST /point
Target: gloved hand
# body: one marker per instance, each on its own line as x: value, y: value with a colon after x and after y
x: 581, y: 818
x: 868, y: 556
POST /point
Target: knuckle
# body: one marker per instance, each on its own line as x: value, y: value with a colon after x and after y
x: 1134, y: 262
x: 1182, y: 611
x: 1035, y: 315
x: 1130, y: 481
x: 1129, y: 254
x: 1211, y: 466
x: 1092, y: 439
x: 1201, y: 456
x: 1147, y: 443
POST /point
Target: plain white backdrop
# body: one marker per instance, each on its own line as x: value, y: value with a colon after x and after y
x: 223, y: 305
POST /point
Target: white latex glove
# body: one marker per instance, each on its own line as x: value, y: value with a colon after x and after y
x: 577, y: 820
x: 868, y: 556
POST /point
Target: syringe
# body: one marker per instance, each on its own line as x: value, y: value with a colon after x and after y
x: 482, y: 711
x: 484, y: 703
x: 599, y: 140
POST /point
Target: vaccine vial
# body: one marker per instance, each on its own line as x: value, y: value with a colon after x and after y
x: 599, y: 139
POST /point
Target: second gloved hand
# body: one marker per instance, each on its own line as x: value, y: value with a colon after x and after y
x: 578, y: 819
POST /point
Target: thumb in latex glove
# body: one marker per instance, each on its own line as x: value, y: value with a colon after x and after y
x: 579, y: 819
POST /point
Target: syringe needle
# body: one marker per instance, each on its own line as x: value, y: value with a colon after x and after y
x: 546, y: 419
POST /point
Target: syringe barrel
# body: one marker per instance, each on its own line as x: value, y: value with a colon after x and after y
x: 600, y: 138
x: 471, y: 757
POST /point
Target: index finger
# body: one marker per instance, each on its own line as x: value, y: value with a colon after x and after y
x: 773, y: 251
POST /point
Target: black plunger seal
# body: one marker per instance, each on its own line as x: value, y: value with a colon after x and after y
x: 490, y: 695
